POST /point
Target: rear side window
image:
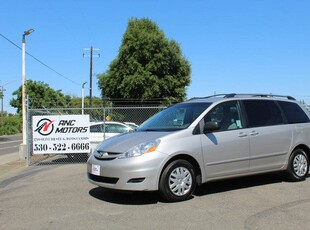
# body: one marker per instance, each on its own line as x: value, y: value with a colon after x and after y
x: 96, y: 128
x: 262, y: 113
x: 293, y: 112
x: 115, y: 128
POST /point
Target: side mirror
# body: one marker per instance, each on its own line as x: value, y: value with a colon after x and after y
x: 211, y: 126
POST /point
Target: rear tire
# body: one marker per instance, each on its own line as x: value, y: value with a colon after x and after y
x: 178, y: 181
x: 298, y: 166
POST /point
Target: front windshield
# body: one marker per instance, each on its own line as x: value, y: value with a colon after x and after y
x: 176, y: 117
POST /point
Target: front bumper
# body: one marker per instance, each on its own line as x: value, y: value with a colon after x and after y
x: 140, y: 173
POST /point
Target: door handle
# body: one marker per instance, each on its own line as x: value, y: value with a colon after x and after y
x: 254, y: 133
x: 242, y: 134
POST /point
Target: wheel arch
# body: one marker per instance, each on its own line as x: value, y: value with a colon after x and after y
x: 303, y: 147
x: 191, y: 160
x: 298, y: 169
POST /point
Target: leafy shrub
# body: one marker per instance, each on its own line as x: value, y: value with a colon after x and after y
x: 10, y: 125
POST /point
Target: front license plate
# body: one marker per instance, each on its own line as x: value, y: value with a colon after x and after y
x: 95, y: 170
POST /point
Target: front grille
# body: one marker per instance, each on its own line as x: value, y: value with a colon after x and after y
x: 102, y: 179
x: 105, y: 156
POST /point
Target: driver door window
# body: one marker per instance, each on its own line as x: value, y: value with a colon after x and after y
x: 227, y: 114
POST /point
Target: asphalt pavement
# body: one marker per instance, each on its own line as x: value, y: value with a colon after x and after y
x: 10, y: 144
x: 9, y: 155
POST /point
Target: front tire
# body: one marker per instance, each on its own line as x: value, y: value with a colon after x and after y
x: 298, y: 166
x: 178, y: 181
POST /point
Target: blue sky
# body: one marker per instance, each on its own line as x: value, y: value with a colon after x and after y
x: 242, y: 46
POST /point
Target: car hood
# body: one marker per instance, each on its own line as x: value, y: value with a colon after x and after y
x: 123, y: 142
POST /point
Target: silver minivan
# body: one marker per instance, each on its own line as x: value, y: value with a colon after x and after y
x: 205, y: 139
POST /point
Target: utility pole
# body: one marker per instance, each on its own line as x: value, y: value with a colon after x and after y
x: 2, y: 90
x: 23, y: 146
x: 2, y: 96
x: 91, y: 49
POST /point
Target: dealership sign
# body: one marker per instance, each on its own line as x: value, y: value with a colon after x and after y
x: 60, y: 134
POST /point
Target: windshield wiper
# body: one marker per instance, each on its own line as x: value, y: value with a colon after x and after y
x: 159, y: 130
x: 148, y: 130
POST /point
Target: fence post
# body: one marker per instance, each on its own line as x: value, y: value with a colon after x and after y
x: 104, y: 115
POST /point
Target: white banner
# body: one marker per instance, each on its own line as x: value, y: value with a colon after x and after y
x: 60, y: 134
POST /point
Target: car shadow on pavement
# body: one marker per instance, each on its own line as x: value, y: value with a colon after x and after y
x: 145, y: 198
x: 239, y: 183
x: 126, y: 198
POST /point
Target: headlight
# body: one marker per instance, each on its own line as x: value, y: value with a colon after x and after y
x: 93, y: 150
x: 140, y: 149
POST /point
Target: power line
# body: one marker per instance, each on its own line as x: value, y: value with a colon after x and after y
x: 42, y: 63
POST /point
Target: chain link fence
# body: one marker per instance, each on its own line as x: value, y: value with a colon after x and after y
x: 104, y: 123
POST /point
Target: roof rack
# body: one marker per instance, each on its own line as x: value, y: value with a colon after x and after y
x: 215, y: 95
x: 232, y: 95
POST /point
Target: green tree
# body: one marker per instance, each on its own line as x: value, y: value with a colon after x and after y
x: 76, y: 102
x: 41, y: 95
x: 149, y: 68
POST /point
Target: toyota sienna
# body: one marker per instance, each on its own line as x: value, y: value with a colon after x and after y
x: 206, y: 139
